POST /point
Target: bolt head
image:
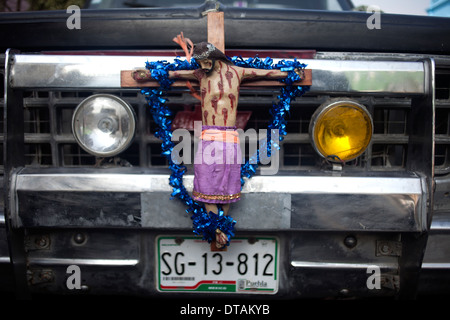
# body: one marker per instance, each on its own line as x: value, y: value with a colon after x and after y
x: 350, y: 242
x: 79, y: 238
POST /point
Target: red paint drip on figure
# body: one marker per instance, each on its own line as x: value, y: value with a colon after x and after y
x: 237, y: 74
x: 203, y: 95
x: 205, y: 116
x: 214, y: 119
x: 199, y: 74
x: 214, y: 102
x: 229, y: 76
x: 220, y: 85
x: 225, y: 116
x: 232, y: 100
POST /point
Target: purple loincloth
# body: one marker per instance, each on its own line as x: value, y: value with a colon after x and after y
x: 217, y: 170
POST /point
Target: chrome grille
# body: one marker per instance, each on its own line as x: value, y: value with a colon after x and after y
x: 49, y: 141
x: 442, y: 122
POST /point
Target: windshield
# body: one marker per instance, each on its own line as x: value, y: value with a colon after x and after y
x: 261, y: 4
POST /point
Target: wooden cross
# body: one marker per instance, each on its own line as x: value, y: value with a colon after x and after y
x: 216, y: 36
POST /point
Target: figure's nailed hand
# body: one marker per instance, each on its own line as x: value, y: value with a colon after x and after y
x: 300, y: 72
x: 141, y: 75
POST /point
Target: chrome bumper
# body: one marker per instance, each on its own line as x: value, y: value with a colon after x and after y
x: 331, y: 227
x: 331, y: 203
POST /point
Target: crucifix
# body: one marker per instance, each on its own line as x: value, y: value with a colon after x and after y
x: 217, y: 184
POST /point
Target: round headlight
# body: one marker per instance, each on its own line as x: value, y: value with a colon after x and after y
x: 341, y: 130
x: 103, y: 125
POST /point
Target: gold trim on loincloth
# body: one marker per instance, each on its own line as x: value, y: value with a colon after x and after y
x: 229, y: 136
x: 216, y: 196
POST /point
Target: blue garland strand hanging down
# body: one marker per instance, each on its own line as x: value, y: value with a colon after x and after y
x: 205, y: 223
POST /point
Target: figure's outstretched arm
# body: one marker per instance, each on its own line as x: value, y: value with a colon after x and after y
x: 183, y: 75
x: 144, y: 75
x: 250, y: 73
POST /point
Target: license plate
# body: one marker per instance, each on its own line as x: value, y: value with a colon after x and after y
x: 188, y: 264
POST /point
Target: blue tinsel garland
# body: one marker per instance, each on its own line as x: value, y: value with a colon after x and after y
x: 206, y: 223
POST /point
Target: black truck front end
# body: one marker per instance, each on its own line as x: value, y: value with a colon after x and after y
x: 376, y: 226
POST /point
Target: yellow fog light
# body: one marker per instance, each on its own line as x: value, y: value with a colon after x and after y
x: 341, y: 130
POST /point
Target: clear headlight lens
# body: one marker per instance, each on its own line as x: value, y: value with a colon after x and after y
x: 103, y: 125
x: 341, y: 130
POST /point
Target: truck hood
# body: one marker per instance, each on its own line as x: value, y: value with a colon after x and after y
x: 154, y: 28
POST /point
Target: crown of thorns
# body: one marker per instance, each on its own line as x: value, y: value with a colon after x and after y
x: 206, y: 50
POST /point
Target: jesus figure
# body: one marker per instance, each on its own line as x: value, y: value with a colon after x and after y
x: 218, y: 183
